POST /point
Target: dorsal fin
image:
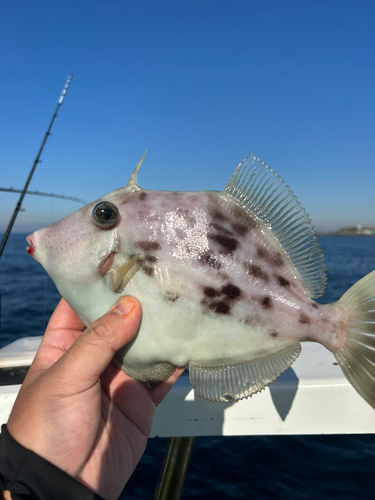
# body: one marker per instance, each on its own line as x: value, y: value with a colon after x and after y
x: 132, y: 182
x: 261, y: 190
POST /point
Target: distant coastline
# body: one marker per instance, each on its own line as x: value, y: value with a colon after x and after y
x: 349, y: 231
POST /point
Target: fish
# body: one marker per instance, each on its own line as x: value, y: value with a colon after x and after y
x: 226, y: 280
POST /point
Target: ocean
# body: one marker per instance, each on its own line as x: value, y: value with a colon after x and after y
x: 276, y: 467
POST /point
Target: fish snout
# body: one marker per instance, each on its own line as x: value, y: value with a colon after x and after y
x: 35, y: 248
x: 30, y: 249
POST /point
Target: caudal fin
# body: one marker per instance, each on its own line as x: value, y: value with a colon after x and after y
x: 357, y: 359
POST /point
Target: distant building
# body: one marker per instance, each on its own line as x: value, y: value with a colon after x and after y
x: 357, y: 230
x: 368, y: 231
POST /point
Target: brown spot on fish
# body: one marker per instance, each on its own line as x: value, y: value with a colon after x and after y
x: 148, y: 245
x: 263, y: 254
x: 255, y: 271
x: 240, y: 214
x: 216, y: 214
x: 229, y: 244
x: 210, y: 292
x: 241, y: 229
x: 266, y: 302
x: 274, y: 334
x: 282, y: 281
x: 218, y: 227
x: 277, y: 259
x: 172, y: 296
x: 272, y: 257
x: 250, y: 320
x: 148, y: 270
x: 142, y: 195
x: 231, y: 291
x: 305, y: 320
x: 315, y: 306
x: 210, y: 260
x: 150, y: 258
x: 219, y: 307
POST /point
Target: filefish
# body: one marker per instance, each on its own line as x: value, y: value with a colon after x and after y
x: 226, y: 281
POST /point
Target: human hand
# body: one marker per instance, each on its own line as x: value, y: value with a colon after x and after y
x: 77, y: 409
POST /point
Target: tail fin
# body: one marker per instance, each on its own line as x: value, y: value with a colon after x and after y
x: 357, y: 359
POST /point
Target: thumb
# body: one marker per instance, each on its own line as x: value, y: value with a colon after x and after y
x: 92, y: 352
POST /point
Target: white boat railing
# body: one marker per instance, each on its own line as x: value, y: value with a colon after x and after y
x: 312, y: 397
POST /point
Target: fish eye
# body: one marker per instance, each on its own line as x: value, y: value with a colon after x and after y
x: 105, y: 214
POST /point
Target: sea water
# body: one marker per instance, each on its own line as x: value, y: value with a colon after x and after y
x: 276, y: 467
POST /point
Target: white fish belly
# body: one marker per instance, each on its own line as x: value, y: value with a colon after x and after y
x: 178, y: 328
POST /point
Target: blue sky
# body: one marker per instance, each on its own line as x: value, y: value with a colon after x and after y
x: 200, y: 84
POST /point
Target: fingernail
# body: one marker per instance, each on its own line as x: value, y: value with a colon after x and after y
x: 124, y: 306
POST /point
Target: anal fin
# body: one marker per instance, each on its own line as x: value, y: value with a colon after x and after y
x: 228, y: 383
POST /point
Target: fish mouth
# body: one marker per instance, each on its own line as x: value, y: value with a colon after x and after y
x: 30, y: 249
x: 106, y: 263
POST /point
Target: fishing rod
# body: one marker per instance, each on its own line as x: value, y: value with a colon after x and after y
x: 36, y: 161
x: 51, y: 195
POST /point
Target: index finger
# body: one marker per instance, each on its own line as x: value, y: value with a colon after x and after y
x: 62, y: 331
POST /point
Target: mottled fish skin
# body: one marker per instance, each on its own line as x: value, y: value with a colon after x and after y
x: 217, y: 289
x: 214, y: 284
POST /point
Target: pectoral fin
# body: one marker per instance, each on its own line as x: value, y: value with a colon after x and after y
x: 121, y: 276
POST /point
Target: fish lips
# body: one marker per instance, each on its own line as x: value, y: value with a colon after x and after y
x: 30, y: 249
